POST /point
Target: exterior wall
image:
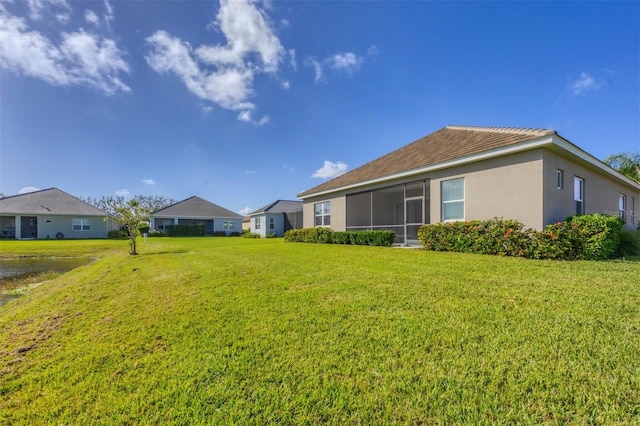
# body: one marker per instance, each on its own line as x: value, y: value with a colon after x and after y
x: 49, y: 226
x: 509, y: 187
x: 218, y: 222
x: 64, y: 224
x: 601, y: 192
x: 265, y: 228
x: 338, y: 211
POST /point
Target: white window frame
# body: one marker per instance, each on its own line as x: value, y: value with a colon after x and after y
x: 446, y: 202
x: 325, y: 214
x: 257, y: 223
x: 578, y: 194
x: 227, y: 225
x: 633, y: 211
x: 560, y: 179
x: 272, y: 223
x: 81, y: 224
x: 622, y: 207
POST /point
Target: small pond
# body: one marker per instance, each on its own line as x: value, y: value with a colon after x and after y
x: 15, y: 269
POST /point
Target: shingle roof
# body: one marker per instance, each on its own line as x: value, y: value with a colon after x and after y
x: 196, y: 207
x: 50, y: 201
x: 446, y: 144
x: 279, y: 206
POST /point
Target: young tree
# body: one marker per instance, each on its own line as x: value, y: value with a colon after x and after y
x: 627, y: 163
x: 129, y: 216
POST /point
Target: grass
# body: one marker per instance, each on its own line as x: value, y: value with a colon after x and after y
x: 242, y: 331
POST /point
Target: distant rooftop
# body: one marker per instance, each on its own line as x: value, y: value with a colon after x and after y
x: 47, y: 201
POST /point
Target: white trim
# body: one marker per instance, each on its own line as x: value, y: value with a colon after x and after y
x: 520, y: 147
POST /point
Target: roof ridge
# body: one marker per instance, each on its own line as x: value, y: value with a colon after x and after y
x: 519, y: 130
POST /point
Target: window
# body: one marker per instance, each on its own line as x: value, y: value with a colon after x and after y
x: 322, y: 213
x: 227, y: 225
x: 257, y: 223
x: 82, y: 224
x: 453, y: 199
x: 272, y: 223
x: 633, y: 210
x: 578, y: 194
x: 622, y: 207
x: 560, y: 179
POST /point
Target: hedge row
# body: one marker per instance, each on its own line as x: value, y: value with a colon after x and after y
x: 186, y: 230
x: 328, y: 236
x: 593, y: 236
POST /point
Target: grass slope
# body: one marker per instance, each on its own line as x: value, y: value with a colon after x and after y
x: 230, y: 330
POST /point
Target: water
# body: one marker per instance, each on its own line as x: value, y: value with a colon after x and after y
x: 12, y: 269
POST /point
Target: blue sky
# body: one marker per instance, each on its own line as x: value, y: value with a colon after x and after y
x: 243, y: 103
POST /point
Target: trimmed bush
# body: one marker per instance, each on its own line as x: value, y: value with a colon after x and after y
x: 251, y: 235
x: 326, y: 235
x: 629, y: 243
x: 586, y: 237
x: 186, y: 230
x: 116, y: 234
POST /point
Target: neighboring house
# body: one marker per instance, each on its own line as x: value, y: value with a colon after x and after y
x: 277, y: 218
x: 51, y: 213
x: 196, y: 211
x: 464, y: 173
x: 246, y: 223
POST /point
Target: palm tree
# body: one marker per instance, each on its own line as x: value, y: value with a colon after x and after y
x: 627, y: 163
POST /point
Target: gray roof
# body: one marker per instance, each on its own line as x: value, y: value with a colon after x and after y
x: 196, y: 207
x: 279, y: 206
x: 50, y: 201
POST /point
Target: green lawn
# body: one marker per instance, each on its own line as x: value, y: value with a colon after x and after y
x: 239, y: 331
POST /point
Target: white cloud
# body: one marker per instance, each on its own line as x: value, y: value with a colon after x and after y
x: 249, y: 172
x: 340, y: 62
x: 28, y: 189
x: 246, y: 116
x: 373, y: 50
x: 206, y: 109
x: 122, y: 192
x: 585, y: 83
x: 81, y: 58
x: 330, y: 170
x: 149, y: 182
x: 245, y: 211
x: 223, y: 74
x: 91, y: 17
x: 317, y: 67
x: 292, y: 59
x: 286, y: 85
x: 60, y: 10
x: 348, y: 62
x: 289, y: 168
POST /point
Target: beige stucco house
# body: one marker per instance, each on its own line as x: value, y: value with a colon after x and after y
x: 464, y: 173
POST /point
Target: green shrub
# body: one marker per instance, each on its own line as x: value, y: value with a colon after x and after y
x: 219, y: 233
x: 155, y: 233
x: 589, y: 237
x: 251, y: 235
x: 340, y: 237
x: 235, y: 234
x: 271, y: 235
x: 186, y: 230
x: 326, y: 235
x: 599, y: 234
x: 629, y: 243
x: 308, y: 235
x: 117, y: 234
x: 494, y: 236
